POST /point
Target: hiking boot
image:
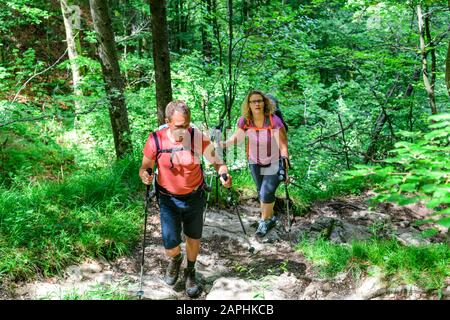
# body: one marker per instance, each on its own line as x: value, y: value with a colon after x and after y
x: 192, y: 288
x: 262, y: 228
x: 172, y: 271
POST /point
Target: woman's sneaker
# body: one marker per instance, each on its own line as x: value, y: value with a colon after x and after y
x: 272, y: 222
x: 262, y: 228
x: 265, y: 225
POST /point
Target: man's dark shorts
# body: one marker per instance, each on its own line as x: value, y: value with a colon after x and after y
x: 178, y: 212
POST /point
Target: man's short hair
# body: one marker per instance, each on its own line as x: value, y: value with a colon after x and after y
x: 177, y: 105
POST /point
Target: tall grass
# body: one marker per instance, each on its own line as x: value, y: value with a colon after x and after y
x: 29, y: 151
x: 427, y: 266
x: 48, y: 225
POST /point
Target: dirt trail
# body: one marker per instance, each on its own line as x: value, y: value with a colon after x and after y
x: 227, y: 270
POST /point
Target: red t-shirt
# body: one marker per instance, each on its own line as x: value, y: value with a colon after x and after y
x: 186, y: 174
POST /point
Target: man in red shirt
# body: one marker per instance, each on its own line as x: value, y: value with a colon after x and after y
x: 177, y: 150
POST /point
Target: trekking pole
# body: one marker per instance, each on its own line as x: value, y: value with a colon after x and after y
x: 148, y: 195
x: 295, y: 185
x: 213, y: 138
x: 207, y: 199
x: 217, y: 137
x: 251, y: 249
x: 282, y: 177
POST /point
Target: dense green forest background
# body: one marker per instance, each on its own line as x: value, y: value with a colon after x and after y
x: 357, y: 82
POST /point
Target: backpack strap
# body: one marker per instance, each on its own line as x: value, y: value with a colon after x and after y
x: 173, y: 150
x: 204, y: 185
x: 267, y: 120
x: 157, y: 145
x: 270, y: 122
x: 247, y: 124
x: 192, y: 141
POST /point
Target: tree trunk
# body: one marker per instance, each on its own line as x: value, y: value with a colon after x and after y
x: 71, y: 17
x: 161, y: 57
x: 230, y: 61
x: 344, y: 141
x: 408, y: 93
x: 175, y: 29
x: 447, y: 68
x: 428, y: 86
x: 245, y: 10
x: 111, y: 74
x: 135, y: 24
x: 383, y: 118
x: 207, y: 21
x: 432, y: 51
x: 184, y: 19
x: 216, y: 31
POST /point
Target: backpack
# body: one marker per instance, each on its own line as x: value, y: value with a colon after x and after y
x: 154, y: 134
x: 172, y: 150
x: 277, y: 111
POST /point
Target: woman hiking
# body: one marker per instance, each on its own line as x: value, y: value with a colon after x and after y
x: 267, y: 147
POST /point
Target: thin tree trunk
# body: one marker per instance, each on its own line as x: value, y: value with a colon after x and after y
x: 428, y: 86
x: 140, y: 18
x: 379, y: 124
x: 344, y: 141
x: 216, y: 31
x: 71, y: 19
x: 407, y: 94
x: 381, y: 120
x: 383, y: 117
x: 432, y: 50
x: 230, y: 60
x: 161, y: 56
x: 207, y: 21
x: 111, y: 73
x: 184, y: 20
x: 447, y: 69
x: 176, y: 29
x: 245, y: 10
x: 126, y: 32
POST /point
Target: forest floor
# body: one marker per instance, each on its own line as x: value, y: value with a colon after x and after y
x: 227, y: 270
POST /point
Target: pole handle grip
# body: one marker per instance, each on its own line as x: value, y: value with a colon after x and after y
x: 149, y: 193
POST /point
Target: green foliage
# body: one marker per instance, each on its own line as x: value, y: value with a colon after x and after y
x: 426, y: 266
x: 418, y: 170
x: 21, y: 12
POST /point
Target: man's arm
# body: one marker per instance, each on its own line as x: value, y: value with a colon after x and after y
x: 210, y: 154
x: 237, y: 137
